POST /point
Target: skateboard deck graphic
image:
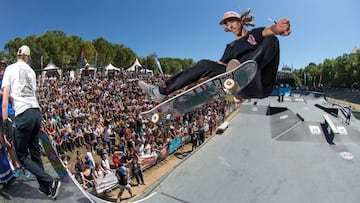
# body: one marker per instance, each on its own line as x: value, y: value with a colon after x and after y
x: 53, y: 157
x: 234, y: 81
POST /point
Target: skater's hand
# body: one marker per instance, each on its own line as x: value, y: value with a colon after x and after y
x: 5, y: 127
x: 281, y: 27
x: 7, y: 142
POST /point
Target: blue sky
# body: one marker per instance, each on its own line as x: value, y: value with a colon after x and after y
x: 188, y: 28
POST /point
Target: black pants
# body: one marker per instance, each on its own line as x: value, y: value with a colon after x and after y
x: 27, y: 146
x: 266, y: 56
x: 203, y: 68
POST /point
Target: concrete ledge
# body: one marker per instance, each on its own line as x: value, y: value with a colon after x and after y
x: 330, y: 125
x: 222, y: 127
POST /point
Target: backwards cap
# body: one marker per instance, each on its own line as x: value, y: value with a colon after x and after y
x: 227, y: 15
x: 245, y: 17
x: 23, y: 50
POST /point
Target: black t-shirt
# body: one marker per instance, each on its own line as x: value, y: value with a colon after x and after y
x: 122, y: 178
x: 240, y: 47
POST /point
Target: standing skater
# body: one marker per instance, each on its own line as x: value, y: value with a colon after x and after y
x: 348, y: 116
x: 19, y: 82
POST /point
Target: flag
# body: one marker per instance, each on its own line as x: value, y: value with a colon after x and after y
x: 319, y: 84
x: 82, y: 56
x: 158, y: 64
x: 304, y: 78
x: 313, y: 80
x: 41, y: 61
x: 96, y: 57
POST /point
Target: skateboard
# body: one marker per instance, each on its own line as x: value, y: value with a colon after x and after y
x: 217, y: 87
x: 6, y: 173
x: 53, y: 157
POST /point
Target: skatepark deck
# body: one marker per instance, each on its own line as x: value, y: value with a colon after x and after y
x: 26, y: 190
x: 271, y: 152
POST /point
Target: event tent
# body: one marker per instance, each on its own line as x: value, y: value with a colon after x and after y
x: 111, y: 67
x: 137, y: 67
x: 51, y: 68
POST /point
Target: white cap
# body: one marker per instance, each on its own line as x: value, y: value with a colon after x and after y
x: 229, y: 14
x: 23, y: 50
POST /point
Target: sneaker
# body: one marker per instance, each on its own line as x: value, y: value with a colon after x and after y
x: 233, y: 64
x: 27, y: 173
x: 152, y: 91
x: 45, y: 190
x: 17, y: 172
x: 54, y: 189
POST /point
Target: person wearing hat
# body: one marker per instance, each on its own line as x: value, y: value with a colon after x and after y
x: 259, y: 44
x: 19, y: 83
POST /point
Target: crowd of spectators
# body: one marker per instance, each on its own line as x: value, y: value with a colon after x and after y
x: 102, y: 113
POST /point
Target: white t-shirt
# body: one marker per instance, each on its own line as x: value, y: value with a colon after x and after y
x: 22, y: 80
x: 105, y: 164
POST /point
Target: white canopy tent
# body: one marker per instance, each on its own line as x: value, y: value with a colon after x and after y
x: 87, y: 70
x: 137, y: 67
x: 110, y: 70
x: 50, y: 68
x: 111, y: 67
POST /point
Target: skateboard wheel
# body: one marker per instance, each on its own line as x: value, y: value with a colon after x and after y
x: 237, y: 100
x: 231, y: 85
x: 155, y: 118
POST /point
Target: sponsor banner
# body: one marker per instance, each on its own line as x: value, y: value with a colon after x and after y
x: 186, y: 139
x: 163, y: 153
x: 175, y: 144
x: 106, y: 183
x: 148, y: 160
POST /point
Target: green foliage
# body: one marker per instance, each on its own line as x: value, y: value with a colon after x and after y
x: 343, y: 71
x: 64, y: 51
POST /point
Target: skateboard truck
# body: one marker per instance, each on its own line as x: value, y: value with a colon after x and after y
x: 233, y: 87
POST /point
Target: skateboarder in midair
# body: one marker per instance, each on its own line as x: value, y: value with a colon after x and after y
x: 259, y: 44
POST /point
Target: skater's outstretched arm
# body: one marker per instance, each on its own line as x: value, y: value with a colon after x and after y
x: 281, y: 27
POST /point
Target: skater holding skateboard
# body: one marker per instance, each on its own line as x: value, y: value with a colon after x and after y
x: 259, y: 44
x: 19, y: 82
x: 6, y: 173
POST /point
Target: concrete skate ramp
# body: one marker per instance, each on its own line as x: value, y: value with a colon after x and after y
x: 329, y: 110
x: 22, y: 190
x: 247, y: 163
